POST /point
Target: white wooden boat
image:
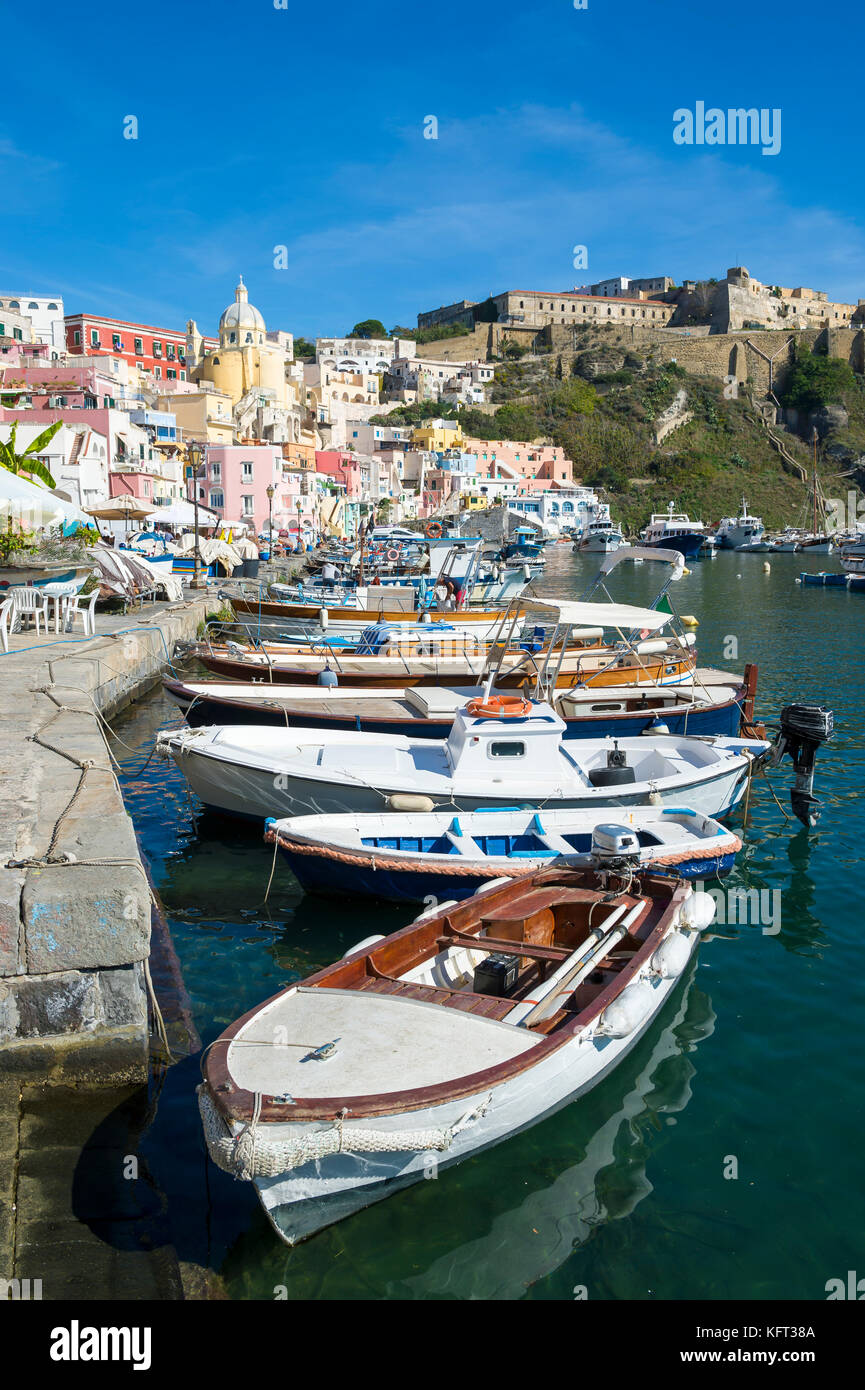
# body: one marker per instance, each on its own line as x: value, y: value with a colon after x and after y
x: 743, y: 532
x: 423, y: 1048
x: 412, y: 856
x: 487, y: 760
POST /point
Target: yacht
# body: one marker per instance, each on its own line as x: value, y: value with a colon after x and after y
x: 672, y: 530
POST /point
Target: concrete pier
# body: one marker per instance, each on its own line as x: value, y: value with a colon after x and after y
x: 75, y: 906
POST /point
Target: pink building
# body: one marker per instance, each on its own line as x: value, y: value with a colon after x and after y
x: 343, y: 467
x: 236, y: 481
x: 537, y: 466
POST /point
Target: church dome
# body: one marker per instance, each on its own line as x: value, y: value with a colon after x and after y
x: 241, y: 322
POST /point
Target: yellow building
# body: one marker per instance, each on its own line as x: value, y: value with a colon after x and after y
x: 205, y: 415
x: 245, y: 360
x: 437, y: 436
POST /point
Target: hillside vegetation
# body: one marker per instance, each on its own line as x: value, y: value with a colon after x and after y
x: 601, y: 406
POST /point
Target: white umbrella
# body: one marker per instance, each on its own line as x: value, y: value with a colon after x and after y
x: 34, y: 506
x: 182, y: 513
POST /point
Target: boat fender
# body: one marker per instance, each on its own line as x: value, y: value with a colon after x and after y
x: 688, y: 620
x: 328, y: 678
x: 698, y: 912
x: 671, y: 956
x: 527, y: 574
x: 657, y: 726
x: 408, y: 801
x: 362, y: 945
x: 323, y: 618
x: 436, y: 908
x: 493, y: 883
x: 629, y: 1011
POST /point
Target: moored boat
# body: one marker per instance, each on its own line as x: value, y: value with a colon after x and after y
x: 417, y: 1050
x: 411, y: 856
x: 672, y: 530
x: 501, y: 751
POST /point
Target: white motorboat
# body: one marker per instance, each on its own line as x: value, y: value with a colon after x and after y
x: 599, y: 538
x: 423, y: 1048
x: 501, y: 751
x: 672, y: 530
x: 743, y: 532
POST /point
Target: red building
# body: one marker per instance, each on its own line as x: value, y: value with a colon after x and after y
x: 160, y: 351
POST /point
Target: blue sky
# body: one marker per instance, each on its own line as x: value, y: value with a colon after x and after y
x: 303, y: 127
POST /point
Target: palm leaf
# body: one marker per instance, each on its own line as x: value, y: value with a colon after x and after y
x: 39, y: 443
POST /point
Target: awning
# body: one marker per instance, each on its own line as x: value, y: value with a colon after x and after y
x: 623, y: 616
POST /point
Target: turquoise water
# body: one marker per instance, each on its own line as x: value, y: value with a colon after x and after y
x: 624, y: 1194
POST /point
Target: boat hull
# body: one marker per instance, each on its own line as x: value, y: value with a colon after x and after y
x: 688, y: 545
x: 200, y: 711
x: 330, y: 1189
x: 256, y: 793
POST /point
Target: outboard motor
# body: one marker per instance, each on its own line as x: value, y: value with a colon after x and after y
x: 616, y: 773
x: 803, y: 729
x: 615, y: 847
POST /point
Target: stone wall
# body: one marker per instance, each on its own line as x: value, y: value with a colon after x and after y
x: 75, y: 904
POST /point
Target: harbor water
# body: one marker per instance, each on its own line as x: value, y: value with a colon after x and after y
x: 720, y: 1161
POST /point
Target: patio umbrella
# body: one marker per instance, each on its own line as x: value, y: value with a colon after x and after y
x: 121, y: 508
x: 182, y: 513
x: 34, y: 506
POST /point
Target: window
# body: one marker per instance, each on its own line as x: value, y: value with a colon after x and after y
x: 117, y: 342
x: 507, y: 750
x: 248, y: 503
x: 157, y: 371
x: 13, y: 304
x: 169, y: 351
x: 157, y: 348
x: 139, y: 346
x: 94, y: 337
x: 140, y: 366
x: 52, y: 305
x: 33, y: 304
x: 16, y: 333
x: 183, y: 376
x: 246, y: 469
x: 217, y: 500
x: 216, y: 472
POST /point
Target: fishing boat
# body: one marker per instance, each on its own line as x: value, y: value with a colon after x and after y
x: 713, y: 702
x: 420, y: 1049
x: 672, y: 530
x: 743, y: 532
x: 599, y: 537
x: 410, y: 856
x: 501, y: 751
x: 581, y: 643
x: 525, y: 545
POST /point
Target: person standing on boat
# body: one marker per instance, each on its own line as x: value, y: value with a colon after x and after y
x: 328, y: 575
x: 440, y: 594
x: 450, y: 602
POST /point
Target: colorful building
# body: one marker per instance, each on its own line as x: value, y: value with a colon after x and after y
x: 158, y: 352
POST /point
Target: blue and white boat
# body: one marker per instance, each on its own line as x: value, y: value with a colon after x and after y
x: 672, y: 530
x: 526, y: 544
x: 743, y: 532
x: 407, y: 857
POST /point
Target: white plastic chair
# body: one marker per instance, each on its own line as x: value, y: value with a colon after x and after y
x: 5, y: 622
x: 78, y: 607
x: 30, y: 603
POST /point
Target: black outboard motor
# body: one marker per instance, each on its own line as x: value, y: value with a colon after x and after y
x: 617, y: 773
x: 802, y: 730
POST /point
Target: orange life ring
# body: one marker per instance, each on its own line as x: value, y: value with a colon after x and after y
x: 434, y: 530
x: 393, y: 555
x: 500, y: 707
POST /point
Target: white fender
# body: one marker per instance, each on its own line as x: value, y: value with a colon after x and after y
x: 408, y: 801
x: 698, y: 912
x: 671, y: 956
x: 435, y: 909
x: 626, y: 1013
x: 362, y: 945
x: 493, y: 883
x: 323, y: 618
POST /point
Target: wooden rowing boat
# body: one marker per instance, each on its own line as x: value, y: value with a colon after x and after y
x: 420, y: 1049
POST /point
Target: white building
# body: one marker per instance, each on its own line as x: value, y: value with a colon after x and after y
x: 362, y: 354
x: 45, y: 313
x: 562, y: 508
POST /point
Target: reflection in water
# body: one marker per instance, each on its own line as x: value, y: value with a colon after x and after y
x: 527, y: 1242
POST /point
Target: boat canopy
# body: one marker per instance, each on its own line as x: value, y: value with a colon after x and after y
x: 644, y: 552
x: 601, y: 615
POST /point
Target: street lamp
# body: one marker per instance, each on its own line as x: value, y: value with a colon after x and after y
x: 194, y: 452
x: 299, y: 530
x: 270, y: 491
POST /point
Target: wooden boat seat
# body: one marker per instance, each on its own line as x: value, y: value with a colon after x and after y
x: 510, y: 947
x: 487, y: 1006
